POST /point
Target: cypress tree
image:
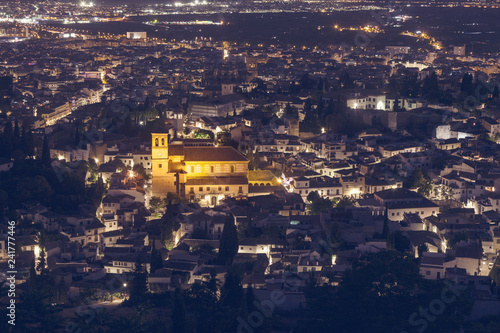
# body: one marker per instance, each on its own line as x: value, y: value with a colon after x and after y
x: 385, y: 230
x: 16, y: 129
x: 32, y: 280
x: 62, y: 292
x: 178, y: 313
x: 156, y: 259
x: 30, y: 150
x: 256, y: 160
x: 250, y: 298
x: 228, y: 246
x: 138, y: 288
x: 77, y: 138
x: 496, y: 92
x: 45, y: 153
x: 6, y: 146
x: 250, y: 158
x: 24, y: 142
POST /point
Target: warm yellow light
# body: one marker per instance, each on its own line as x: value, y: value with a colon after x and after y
x: 131, y: 173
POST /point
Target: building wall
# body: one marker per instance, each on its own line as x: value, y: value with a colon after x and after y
x: 397, y: 214
x: 165, y: 167
x: 162, y: 181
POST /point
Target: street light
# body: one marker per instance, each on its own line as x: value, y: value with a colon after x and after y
x: 125, y: 286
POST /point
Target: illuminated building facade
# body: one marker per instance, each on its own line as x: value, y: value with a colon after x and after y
x: 204, y: 173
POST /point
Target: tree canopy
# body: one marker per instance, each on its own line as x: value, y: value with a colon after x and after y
x: 386, y: 290
x: 228, y: 246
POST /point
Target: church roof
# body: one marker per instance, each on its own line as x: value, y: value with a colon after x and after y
x: 212, y: 154
x: 176, y: 150
x: 241, y: 180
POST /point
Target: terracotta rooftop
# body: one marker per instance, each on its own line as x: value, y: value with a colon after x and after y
x: 215, y: 154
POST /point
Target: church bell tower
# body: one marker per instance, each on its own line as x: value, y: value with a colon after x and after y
x: 160, y: 165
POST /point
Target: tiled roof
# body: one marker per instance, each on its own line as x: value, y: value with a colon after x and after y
x: 217, y: 181
x: 215, y: 154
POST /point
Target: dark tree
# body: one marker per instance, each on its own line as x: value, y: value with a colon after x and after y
x: 62, y: 292
x: 232, y: 292
x: 30, y: 144
x: 156, y: 259
x: 466, y: 86
x: 385, y: 230
x: 256, y: 160
x: 228, y: 246
x: 336, y: 239
x: 46, y: 153
x: 249, y: 299
x: 16, y: 129
x: 391, y: 289
x: 32, y: 280
x: 77, y: 138
x: 346, y: 201
x: 179, y: 313
x: 317, y: 203
x: 138, y: 285
x: 496, y: 92
x: 430, y: 88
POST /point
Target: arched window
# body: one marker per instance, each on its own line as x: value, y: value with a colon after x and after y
x: 212, y: 169
x: 156, y: 142
x: 192, y: 169
x: 232, y: 168
x: 162, y: 142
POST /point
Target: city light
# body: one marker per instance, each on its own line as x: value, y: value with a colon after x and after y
x: 86, y: 4
x: 173, y: 143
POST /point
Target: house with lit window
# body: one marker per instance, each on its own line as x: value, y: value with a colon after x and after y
x: 325, y: 186
x: 400, y: 201
x: 127, y: 263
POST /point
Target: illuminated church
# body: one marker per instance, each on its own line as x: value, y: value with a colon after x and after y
x: 204, y: 173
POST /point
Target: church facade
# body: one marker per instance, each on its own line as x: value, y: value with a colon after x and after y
x: 207, y: 174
